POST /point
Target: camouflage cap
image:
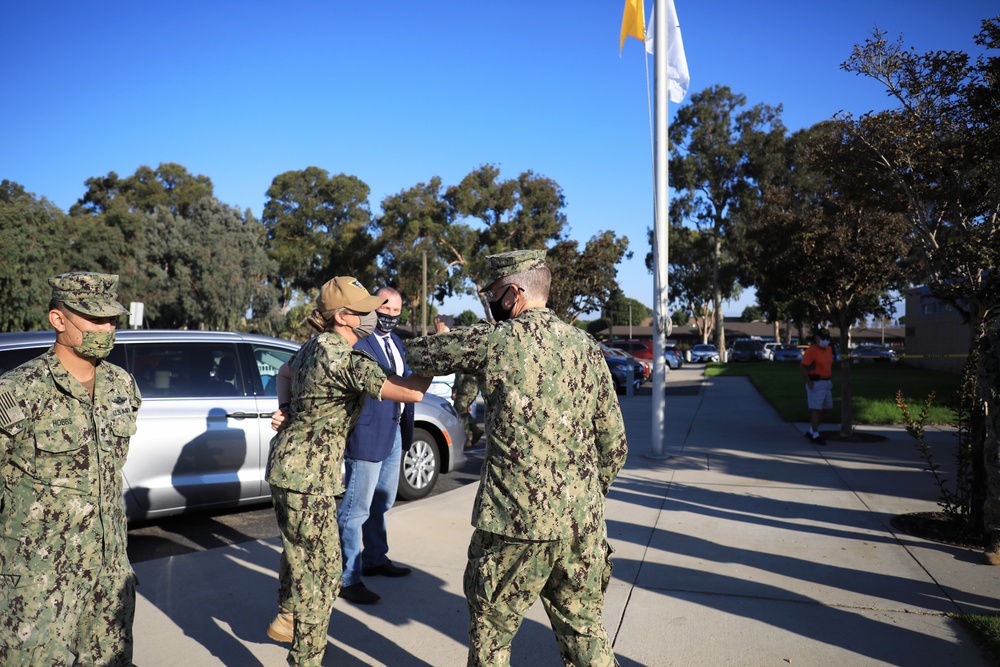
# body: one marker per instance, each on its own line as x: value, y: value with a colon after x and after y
x: 822, y: 333
x: 346, y: 292
x: 94, y: 294
x: 514, y: 262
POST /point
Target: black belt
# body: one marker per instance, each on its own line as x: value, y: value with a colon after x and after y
x: 816, y: 378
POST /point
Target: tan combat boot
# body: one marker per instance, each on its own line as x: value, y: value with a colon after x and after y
x: 281, y: 628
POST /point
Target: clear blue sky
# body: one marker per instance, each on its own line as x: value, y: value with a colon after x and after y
x: 396, y: 92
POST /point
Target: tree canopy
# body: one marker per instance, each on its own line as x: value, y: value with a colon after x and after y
x: 720, y: 152
x: 196, y: 262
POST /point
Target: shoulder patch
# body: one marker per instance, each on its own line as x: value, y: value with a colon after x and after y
x: 10, y: 411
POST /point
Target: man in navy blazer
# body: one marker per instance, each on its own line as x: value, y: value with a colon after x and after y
x: 371, y: 464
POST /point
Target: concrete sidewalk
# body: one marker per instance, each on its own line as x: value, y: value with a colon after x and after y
x: 748, y: 546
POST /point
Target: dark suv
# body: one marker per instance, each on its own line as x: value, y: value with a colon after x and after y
x: 748, y: 350
x: 204, y: 428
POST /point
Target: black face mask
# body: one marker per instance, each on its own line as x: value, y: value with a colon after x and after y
x: 387, y: 323
x: 503, y: 307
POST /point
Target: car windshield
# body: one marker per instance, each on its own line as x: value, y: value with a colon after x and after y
x: 703, y: 348
x: 787, y: 348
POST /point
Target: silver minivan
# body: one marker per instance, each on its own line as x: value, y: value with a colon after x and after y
x: 204, y: 428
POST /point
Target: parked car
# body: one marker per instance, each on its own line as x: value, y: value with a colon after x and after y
x: 747, y: 350
x: 872, y: 353
x: 769, y: 350
x: 641, y: 349
x: 703, y: 353
x: 619, y: 367
x: 647, y: 365
x: 786, y: 352
x: 204, y: 428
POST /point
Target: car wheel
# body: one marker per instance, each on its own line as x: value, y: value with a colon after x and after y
x: 420, y: 467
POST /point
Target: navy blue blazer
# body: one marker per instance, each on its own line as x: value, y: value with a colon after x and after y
x: 372, y: 437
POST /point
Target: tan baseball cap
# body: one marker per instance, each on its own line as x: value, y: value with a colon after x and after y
x: 347, y: 292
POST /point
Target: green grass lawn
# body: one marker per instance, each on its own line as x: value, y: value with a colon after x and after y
x: 987, y: 631
x: 874, y: 388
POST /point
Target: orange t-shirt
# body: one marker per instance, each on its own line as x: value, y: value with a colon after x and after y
x: 818, y: 361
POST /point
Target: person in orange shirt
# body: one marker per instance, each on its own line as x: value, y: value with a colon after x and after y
x: 817, y: 369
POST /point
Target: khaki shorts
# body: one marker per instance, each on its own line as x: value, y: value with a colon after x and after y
x: 821, y: 395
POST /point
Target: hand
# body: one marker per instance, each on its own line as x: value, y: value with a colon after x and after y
x: 439, y: 325
x: 279, y: 419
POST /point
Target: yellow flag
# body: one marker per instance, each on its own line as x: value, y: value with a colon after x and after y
x: 633, y: 22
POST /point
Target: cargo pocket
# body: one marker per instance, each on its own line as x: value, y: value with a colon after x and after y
x: 481, y: 582
x: 608, y: 566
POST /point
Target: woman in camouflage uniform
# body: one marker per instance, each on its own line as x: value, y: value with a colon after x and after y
x: 321, y: 390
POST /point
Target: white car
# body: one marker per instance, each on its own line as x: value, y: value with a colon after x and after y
x: 204, y: 428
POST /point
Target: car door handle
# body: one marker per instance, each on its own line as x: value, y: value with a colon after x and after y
x: 243, y: 415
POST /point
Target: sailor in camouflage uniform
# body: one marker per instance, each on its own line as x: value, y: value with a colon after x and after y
x: 321, y: 390
x: 555, y: 441
x: 67, y: 591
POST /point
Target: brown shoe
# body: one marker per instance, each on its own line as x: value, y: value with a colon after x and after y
x: 282, y: 628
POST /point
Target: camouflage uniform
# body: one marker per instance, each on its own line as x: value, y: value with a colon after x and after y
x: 555, y: 442
x: 66, y: 587
x: 463, y: 394
x: 328, y: 384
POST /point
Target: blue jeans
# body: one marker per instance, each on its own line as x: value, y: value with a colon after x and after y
x: 371, y: 490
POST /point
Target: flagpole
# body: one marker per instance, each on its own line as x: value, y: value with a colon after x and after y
x: 661, y: 301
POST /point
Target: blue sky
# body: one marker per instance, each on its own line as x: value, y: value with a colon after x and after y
x: 397, y: 92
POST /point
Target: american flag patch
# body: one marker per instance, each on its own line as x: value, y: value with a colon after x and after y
x: 10, y: 411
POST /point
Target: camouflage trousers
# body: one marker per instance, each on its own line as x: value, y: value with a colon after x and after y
x: 309, y: 571
x: 504, y: 577
x: 67, y: 618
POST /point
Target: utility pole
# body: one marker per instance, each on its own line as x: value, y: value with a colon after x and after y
x: 423, y: 296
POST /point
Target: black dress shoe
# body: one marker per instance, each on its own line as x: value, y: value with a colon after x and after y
x: 358, y: 594
x: 386, y: 569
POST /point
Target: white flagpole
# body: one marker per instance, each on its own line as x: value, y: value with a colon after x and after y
x: 661, y: 302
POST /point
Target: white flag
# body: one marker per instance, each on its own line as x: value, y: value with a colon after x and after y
x: 677, y: 66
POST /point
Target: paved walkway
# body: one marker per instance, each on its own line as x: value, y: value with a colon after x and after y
x: 748, y: 546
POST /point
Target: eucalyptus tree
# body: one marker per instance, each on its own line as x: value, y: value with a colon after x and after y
x: 33, y: 247
x: 823, y: 244
x: 933, y: 155
x: 318, y: 226
x: 417, y: 230
x: 583, y: 281
x: 719, y: 150
x: 515, y: 214
x: 169, y: 187
x: 690, y: 275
